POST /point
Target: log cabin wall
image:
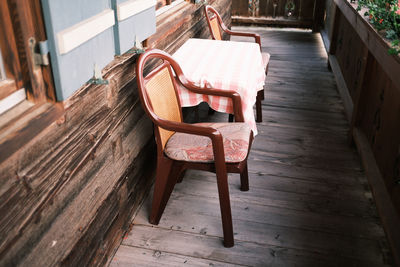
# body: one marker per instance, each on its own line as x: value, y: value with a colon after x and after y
x: 368, y: 81
x: 68, y: 194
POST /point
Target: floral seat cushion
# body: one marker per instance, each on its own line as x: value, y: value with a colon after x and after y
x: 195, y: 148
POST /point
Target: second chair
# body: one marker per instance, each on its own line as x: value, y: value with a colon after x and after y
x: 215, y: 24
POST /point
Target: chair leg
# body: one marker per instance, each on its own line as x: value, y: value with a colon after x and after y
x: 225, y: 206
x: 181, y: 175
x: 258, y: 106
x: 165, y: 181
x: 244, y: 179
x: 231, y: 117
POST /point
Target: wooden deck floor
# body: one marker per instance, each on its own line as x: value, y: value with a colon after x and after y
x: 309, y: 203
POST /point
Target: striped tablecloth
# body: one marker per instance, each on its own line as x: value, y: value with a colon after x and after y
x: 223, y: 65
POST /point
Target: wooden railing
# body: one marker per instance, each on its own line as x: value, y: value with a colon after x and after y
x: 369, y: 84
x: 297, y: 13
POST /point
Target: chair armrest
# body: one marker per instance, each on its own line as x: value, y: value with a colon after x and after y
x: 245, y: 34
x: 213, y: 134
x: 233, y: 95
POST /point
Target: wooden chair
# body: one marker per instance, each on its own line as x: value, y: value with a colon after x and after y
x: 215, y: 24
x: 216, y: 147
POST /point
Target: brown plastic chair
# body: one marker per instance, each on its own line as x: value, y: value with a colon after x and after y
x: 159, y: 97
x: 215, y: 24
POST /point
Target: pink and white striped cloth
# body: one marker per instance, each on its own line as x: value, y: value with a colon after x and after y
x: 226, y: 65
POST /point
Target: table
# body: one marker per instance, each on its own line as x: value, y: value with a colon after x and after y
x: 226, y: 65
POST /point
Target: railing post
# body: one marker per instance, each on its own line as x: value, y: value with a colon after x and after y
x: 318, y: 16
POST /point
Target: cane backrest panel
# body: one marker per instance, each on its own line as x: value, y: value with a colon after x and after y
x: 215, y: 28
x: 161, y: 93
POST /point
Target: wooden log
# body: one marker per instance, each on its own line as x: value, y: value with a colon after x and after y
x: 69, y: 192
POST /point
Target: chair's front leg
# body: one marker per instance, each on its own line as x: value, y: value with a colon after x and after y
x: 162, y: 188
x: 223, y: 192
x: 225, y: 206
x: 181, y: 175
x: 258, y: 106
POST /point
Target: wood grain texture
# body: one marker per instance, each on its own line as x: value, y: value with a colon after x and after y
x: 384, y: 202
x: 309, y: 202
x: 370, y: 81
x: 342, y: 87
x: 7, y: 87
x: 69, y: 192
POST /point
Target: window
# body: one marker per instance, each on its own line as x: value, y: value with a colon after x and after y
x: 10, y: 70
x: 25, y: 87
x: 19, y: 78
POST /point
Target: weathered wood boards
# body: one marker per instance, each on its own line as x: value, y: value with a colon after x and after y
x: 67, y: 195
x: 309, y: 203
x: 370, y: 89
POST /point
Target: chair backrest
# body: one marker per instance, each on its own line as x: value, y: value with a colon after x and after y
x: 158, y: 92
x: 214, y: 22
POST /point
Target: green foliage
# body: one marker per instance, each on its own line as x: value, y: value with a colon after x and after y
x: 384, y: 15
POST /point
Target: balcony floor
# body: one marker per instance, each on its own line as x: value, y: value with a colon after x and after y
x: 309, y: 202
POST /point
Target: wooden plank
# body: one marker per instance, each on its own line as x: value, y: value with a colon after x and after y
x: 187, y: 205
x: 12, y: 100
x: 389, y: 215
x: 365, y: 63
x: 304, y: 87
x: 277, y: 168
x: 321, y: 154
x: 303, y: 161
x: 303, y: 102
x: 285, y: 192
x: 243, y: 253
x: 16, y: 113
x: 7, y: 87
x: 280, y: 20
x: 300, y: 120
x: 342, y: 87
x: 128, y: 256
x: 308, y: 138
x: 193, y: 221
x: 30, y: 126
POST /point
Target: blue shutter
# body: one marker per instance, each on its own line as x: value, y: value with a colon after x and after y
x: 80, y: 35
x: 136, y: 19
